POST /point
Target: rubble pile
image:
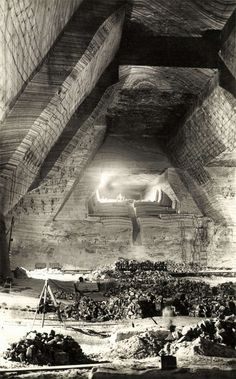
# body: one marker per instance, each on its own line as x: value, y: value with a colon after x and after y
x: 202, y: 346
x: 143, y: 295
x: 183, y: 267
x: 209, y: 337
x: 138, y: 347
x: 63, y: 295
x: 46, y: 349
x: 186, y: 297
x: 133, y: 265
x: 101, y: 273
x: 122, y: 265
x: 139, y: 278
x: 111, y: 309
x: 144, y: 289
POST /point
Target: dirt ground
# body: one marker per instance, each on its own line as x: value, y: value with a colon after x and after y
x: 17, y: 311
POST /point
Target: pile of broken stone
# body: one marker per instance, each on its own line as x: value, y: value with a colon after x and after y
x: 207, y: 338
x: 139, y: 346
x: 124, y: 264
x: 213, y: 337
x: 63, y: 295
x: 46, y: 349
x: 142, y: 295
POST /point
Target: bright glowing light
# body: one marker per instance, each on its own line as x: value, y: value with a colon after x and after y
x: 104, y: 179
x: 98, y: 195
x: 120, y: 197
x: 152, y: 193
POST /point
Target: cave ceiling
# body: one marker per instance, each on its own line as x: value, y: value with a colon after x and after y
x: 154, y: 100
x: 179, y: 17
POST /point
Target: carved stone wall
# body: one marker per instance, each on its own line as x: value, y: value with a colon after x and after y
x: 54, y: 105
x: 204, y: 152
x: 228, y: 49
x: 183, y: 17
x: 28, y: 30
x: 92, y: 241
x: 208, y: 132
x: 52, y: 161
x: 73, y: 244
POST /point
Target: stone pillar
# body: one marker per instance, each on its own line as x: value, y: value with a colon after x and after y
x: 4, y: 256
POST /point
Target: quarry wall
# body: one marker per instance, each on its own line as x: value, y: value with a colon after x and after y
x: 203, y: 152
x: 52, y: 224
x: 76, y: 239
x: 28, y: 30
x: 57, y: 99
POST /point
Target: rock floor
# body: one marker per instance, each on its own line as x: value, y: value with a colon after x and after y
x: 97, y: 340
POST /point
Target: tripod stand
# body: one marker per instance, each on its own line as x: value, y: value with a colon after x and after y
x: 47, y: 303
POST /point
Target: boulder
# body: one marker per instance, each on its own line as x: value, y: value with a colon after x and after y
x: 20, y: 273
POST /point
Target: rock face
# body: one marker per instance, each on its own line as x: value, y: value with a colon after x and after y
x: 216, y: 114
x: 228, y: 47
x: 174, y: 19
x: 29, y: 28
x: 58, y: 98
x: 153, y: 100
x: 4, y: 257
x: 87, y: 243
x: 101, y: 238
x: 144, y: 97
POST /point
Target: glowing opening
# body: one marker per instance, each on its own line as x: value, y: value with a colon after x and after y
x: 104, y: 179
x: 126, y: 188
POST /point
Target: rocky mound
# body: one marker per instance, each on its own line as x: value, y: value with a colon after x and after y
x: 138, y: 347
x: 201, y: 346
x: 46, y: 349
x: 207, y: 338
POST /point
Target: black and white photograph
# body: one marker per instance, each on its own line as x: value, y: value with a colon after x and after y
x: 117, y: 189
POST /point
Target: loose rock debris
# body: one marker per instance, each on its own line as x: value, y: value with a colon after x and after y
x: 46, y: 349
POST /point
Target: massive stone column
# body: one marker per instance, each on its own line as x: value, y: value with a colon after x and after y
x: 56, y: 95
x: 4, y: 257
x: 28, y: 30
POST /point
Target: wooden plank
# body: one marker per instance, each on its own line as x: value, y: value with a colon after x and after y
x: 52, y: 368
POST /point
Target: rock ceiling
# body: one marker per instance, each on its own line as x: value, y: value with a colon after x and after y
x: 181, y: 17
x: 174, y: 33
x: 135, y: 72
x: 154, y: 100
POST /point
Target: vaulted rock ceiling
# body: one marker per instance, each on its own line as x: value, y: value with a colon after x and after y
x: 153, y: 100
x: 138, y: 86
